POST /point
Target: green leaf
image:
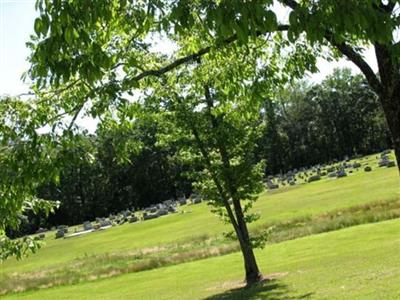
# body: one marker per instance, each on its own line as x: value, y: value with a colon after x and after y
x: 38, y: 26
x: 45, y: 25
x: 69, y: 35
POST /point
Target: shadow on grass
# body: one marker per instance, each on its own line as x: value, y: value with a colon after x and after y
x: 267, y: 290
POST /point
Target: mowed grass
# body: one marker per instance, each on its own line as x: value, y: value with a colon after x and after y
x: 90, y: 268
x: 360, y: 262
x: 303, y: 200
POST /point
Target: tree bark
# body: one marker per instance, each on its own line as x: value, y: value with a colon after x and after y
x: 389, y: 96
x: 253, y: 274
x: 391, y: 108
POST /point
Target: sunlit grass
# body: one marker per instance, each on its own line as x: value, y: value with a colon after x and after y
x: 361, y: 262
x: 195, y: 233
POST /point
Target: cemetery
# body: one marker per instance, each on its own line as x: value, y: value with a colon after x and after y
x: 169, y: 206
x: 332, y: 170
x: 350, y: 190
x: 199, y: 150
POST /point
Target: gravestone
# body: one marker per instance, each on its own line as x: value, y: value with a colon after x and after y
x: 63, y: 228
x: 133, y: 219
x: 150, y: 216
x: 271, y: 185
x: 126, y: 213
x: 182, y: 200
x: 60, y: 234
x: 196, y: 199
x: 87, y: 226
x: 384, y: 161
x: 105, y: 223
x: 168, y: 202
x: 162, y: 212
x: 341, y: 173
x: 172, y: 209
x: 314, y: 178
x: 41, y: 230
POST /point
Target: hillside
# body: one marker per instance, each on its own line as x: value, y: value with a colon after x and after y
x: 305, y: 268
x: 195, y: 234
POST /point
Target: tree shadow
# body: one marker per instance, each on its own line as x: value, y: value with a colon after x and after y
x: 270, y: 289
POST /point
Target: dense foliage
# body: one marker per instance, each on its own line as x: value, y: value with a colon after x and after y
x: 21, y: 159
x: 107, y: 45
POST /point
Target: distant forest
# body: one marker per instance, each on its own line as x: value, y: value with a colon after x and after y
x: 305, y: 125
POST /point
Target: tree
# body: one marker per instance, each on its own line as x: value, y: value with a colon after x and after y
x: 213, y: 112
x: 81, y: 36
x: 23, y: 165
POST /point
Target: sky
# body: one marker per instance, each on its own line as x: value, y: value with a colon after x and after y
x: 16, y: 24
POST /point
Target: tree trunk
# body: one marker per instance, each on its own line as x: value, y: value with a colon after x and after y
x: 253, y: 274
x: 238, y: 221
x: 252, y: 271
x: 389, y: 93
x: 391, y: 107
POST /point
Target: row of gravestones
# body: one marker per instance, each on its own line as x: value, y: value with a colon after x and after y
x: 335, y: 169
x: 307, y: 175
x: 152, y: 212
x: 160, y: 209
x: 384, y: 160
x: 169, y: 206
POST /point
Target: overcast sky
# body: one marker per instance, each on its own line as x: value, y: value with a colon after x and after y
x: 16, y: 24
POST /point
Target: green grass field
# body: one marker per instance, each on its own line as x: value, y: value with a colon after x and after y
x: 359, y: 261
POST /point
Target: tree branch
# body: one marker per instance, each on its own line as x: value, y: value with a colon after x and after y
x: 349, y: 52
x: 193, y: 57
x: 359, y: 61
x: 78, y: 110
x: 214, y: 176
x: 290, y: 3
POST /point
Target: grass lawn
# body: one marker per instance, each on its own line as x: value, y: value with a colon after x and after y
x: 302, y: 200
x: 361, y: 262
x: 169, y: 233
